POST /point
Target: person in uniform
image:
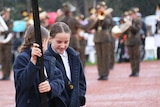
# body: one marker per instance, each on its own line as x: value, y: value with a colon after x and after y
x: 59, y: 15
x: 82, y: 38
x: 74, y: 25
x: 102, y: 39
x: 6, y: 45
x: 133, y: 42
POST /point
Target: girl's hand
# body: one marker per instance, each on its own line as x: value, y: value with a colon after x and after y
x: 44, y: 87
x: 36, y: 52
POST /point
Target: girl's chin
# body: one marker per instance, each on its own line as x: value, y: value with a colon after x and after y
x: 60, y: 52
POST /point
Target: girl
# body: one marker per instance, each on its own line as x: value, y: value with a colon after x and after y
x: 26, y: 72
x: 68, y: 61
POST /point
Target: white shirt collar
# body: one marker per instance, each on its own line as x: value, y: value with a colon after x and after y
x: 64, y: 54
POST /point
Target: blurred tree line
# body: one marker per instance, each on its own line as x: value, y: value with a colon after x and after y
x: 147, y: 7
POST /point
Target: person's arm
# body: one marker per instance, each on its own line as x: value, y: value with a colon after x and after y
x: 25, y: 72
x: 56, y: 83
x: 55, y: 77
x: 3, y: 26
x: 25, y: 68
x: 6, y: 40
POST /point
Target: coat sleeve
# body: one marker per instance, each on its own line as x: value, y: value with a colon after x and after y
x: 25, y: 72
x: 82, y: 86
x: 55, y: 78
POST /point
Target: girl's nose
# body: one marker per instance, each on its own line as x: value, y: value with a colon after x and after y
x: 62, y: 46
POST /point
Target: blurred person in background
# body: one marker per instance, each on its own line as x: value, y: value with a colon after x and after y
x: 60, y: 15
x: 82, y: 38
x: 125, y: 19
x: 143, y: 34
x: 157, y: 32
x: 133, y: 42
x: 71, y: 21
x: 103, y: 39
x: 6, y: 45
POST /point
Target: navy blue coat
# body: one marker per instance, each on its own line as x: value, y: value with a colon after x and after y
x: 26, y: 78
x: 75, y: 90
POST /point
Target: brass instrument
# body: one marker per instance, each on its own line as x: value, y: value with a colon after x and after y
x: 125, y: 24
x: 101, y: 14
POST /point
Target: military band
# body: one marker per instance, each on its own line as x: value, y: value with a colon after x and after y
x: 100, y: 22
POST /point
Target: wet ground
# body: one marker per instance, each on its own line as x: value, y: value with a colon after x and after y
x: 119, y: 90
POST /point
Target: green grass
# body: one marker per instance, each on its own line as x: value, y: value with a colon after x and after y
x: 90, y: 63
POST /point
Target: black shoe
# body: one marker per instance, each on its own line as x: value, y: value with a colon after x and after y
x: 5, y: 78
x: 103, y: 78
x: 134, y: 75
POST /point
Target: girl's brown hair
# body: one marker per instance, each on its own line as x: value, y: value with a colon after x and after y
x: 59, y: 27
x: 29, y: 37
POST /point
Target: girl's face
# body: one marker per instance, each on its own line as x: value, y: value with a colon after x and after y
x: 60, y: 42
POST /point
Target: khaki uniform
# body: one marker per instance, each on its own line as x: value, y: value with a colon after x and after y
x: 83, y: 44
x: 102, y: 41
x: 112, y: 59
x: 133, y: 42
x: 6, y: 52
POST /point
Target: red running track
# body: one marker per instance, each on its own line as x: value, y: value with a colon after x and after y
x: 119, y: 90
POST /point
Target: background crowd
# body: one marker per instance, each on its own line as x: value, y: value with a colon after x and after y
x: 91, y: 35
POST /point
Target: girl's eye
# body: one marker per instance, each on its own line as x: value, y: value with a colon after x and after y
x: 66, y: 42
x: 59, y: 42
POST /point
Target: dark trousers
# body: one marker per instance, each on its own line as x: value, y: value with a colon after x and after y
x: 103, y: 54
x: 6, y: 59
x: 134, y: 54
x: 82, y: 54
x: 112, y: 58
x: 74, y: 43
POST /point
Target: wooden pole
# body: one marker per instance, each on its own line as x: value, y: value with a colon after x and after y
x: 38, y: 39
